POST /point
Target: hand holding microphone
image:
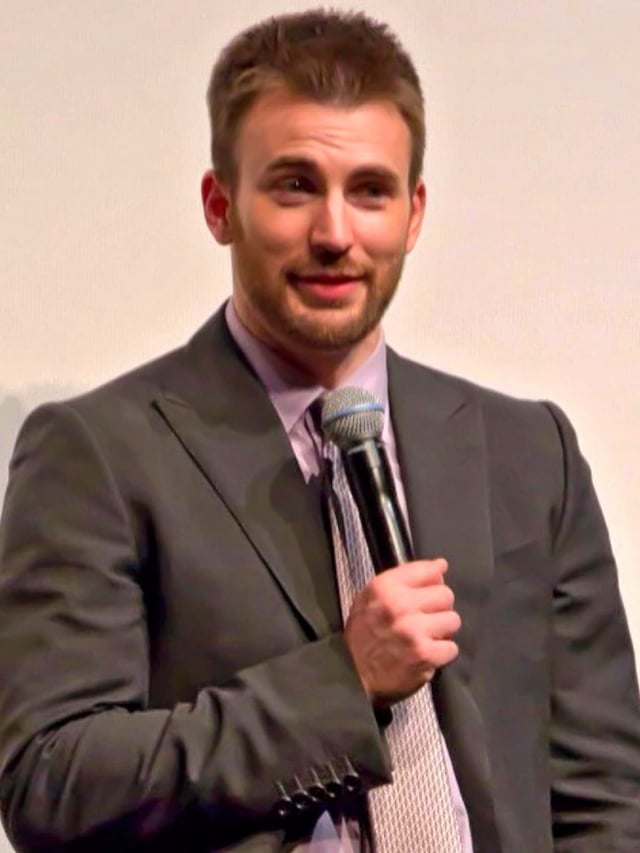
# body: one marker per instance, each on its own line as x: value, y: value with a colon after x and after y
x: 400, y: 624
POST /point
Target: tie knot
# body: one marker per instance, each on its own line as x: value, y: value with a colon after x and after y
x: 327, y: 451
x: 330, y: 449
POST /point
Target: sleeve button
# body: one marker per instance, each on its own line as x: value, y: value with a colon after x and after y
x: 302, y: 800
x: 333, y: 789
x: 316, y: 789
x: 352, y: 783
x: 284, y: 807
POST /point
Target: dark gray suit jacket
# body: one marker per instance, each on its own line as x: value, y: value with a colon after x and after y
x: 172, y: 673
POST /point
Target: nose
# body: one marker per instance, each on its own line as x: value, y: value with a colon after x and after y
x: 331, y: 229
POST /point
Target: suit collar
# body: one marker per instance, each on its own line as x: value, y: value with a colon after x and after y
x: 218, y: 410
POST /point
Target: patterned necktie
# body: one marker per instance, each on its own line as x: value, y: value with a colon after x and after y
x: 414, y: 814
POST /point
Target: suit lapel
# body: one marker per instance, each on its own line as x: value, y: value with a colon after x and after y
x: 441, y: 450
x: 221, y: 414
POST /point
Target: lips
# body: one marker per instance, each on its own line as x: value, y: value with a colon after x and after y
x: 326, y: 289
x: 323, y: 278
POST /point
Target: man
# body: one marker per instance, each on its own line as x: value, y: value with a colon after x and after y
x: 175, y: 670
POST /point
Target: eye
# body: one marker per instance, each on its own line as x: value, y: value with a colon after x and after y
x: 371, y: 193
x: 374, y: 191
x: 296, y: 185
x: 292, y: 189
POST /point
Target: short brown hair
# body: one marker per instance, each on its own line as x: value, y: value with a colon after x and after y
x: 328, y: 56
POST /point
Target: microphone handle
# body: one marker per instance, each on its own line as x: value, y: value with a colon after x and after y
x: 372, y: 485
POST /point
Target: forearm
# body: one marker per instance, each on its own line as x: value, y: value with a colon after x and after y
x: 231, y: 755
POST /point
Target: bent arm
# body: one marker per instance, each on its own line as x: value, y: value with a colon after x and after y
x: 81, y: 754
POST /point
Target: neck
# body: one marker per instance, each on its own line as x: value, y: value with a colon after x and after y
x: 328, y: 368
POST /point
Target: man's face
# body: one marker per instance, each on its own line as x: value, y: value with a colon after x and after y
x: 319, y: 220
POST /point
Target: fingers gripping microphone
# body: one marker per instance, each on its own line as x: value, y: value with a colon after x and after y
x: 353, y: 419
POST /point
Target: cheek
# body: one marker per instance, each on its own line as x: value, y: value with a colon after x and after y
x: 275, y: 230
x: 383, y: 239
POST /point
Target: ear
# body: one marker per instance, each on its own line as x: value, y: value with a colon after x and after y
x: 418, y: 205
x: 215, y: 204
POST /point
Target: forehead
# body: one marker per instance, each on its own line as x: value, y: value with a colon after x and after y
x: 280, y: 124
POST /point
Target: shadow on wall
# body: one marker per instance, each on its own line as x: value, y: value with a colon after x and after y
x: 14, y: 408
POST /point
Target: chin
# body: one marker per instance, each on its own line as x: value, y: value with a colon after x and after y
x: 324, y: 336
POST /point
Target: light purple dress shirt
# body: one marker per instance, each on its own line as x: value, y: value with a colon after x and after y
x: 291, y: 397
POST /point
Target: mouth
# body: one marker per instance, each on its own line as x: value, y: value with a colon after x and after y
x: 323, y: 278
x: 325, y: 287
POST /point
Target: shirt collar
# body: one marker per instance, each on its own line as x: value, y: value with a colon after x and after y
x: 289, y: 394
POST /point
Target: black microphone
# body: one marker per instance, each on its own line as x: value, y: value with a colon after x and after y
x: 353, y: 419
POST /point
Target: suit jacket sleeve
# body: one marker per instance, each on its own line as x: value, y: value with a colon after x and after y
x: 85, y: 763
x: 595, y: 729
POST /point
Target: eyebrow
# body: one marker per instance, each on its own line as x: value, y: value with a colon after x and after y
x: 284, y: 162
x: 303, y: 164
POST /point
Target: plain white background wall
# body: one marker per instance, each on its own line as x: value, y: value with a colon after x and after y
x: 527, y: 274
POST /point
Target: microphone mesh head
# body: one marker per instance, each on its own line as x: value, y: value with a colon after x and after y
x: 351, y: 415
